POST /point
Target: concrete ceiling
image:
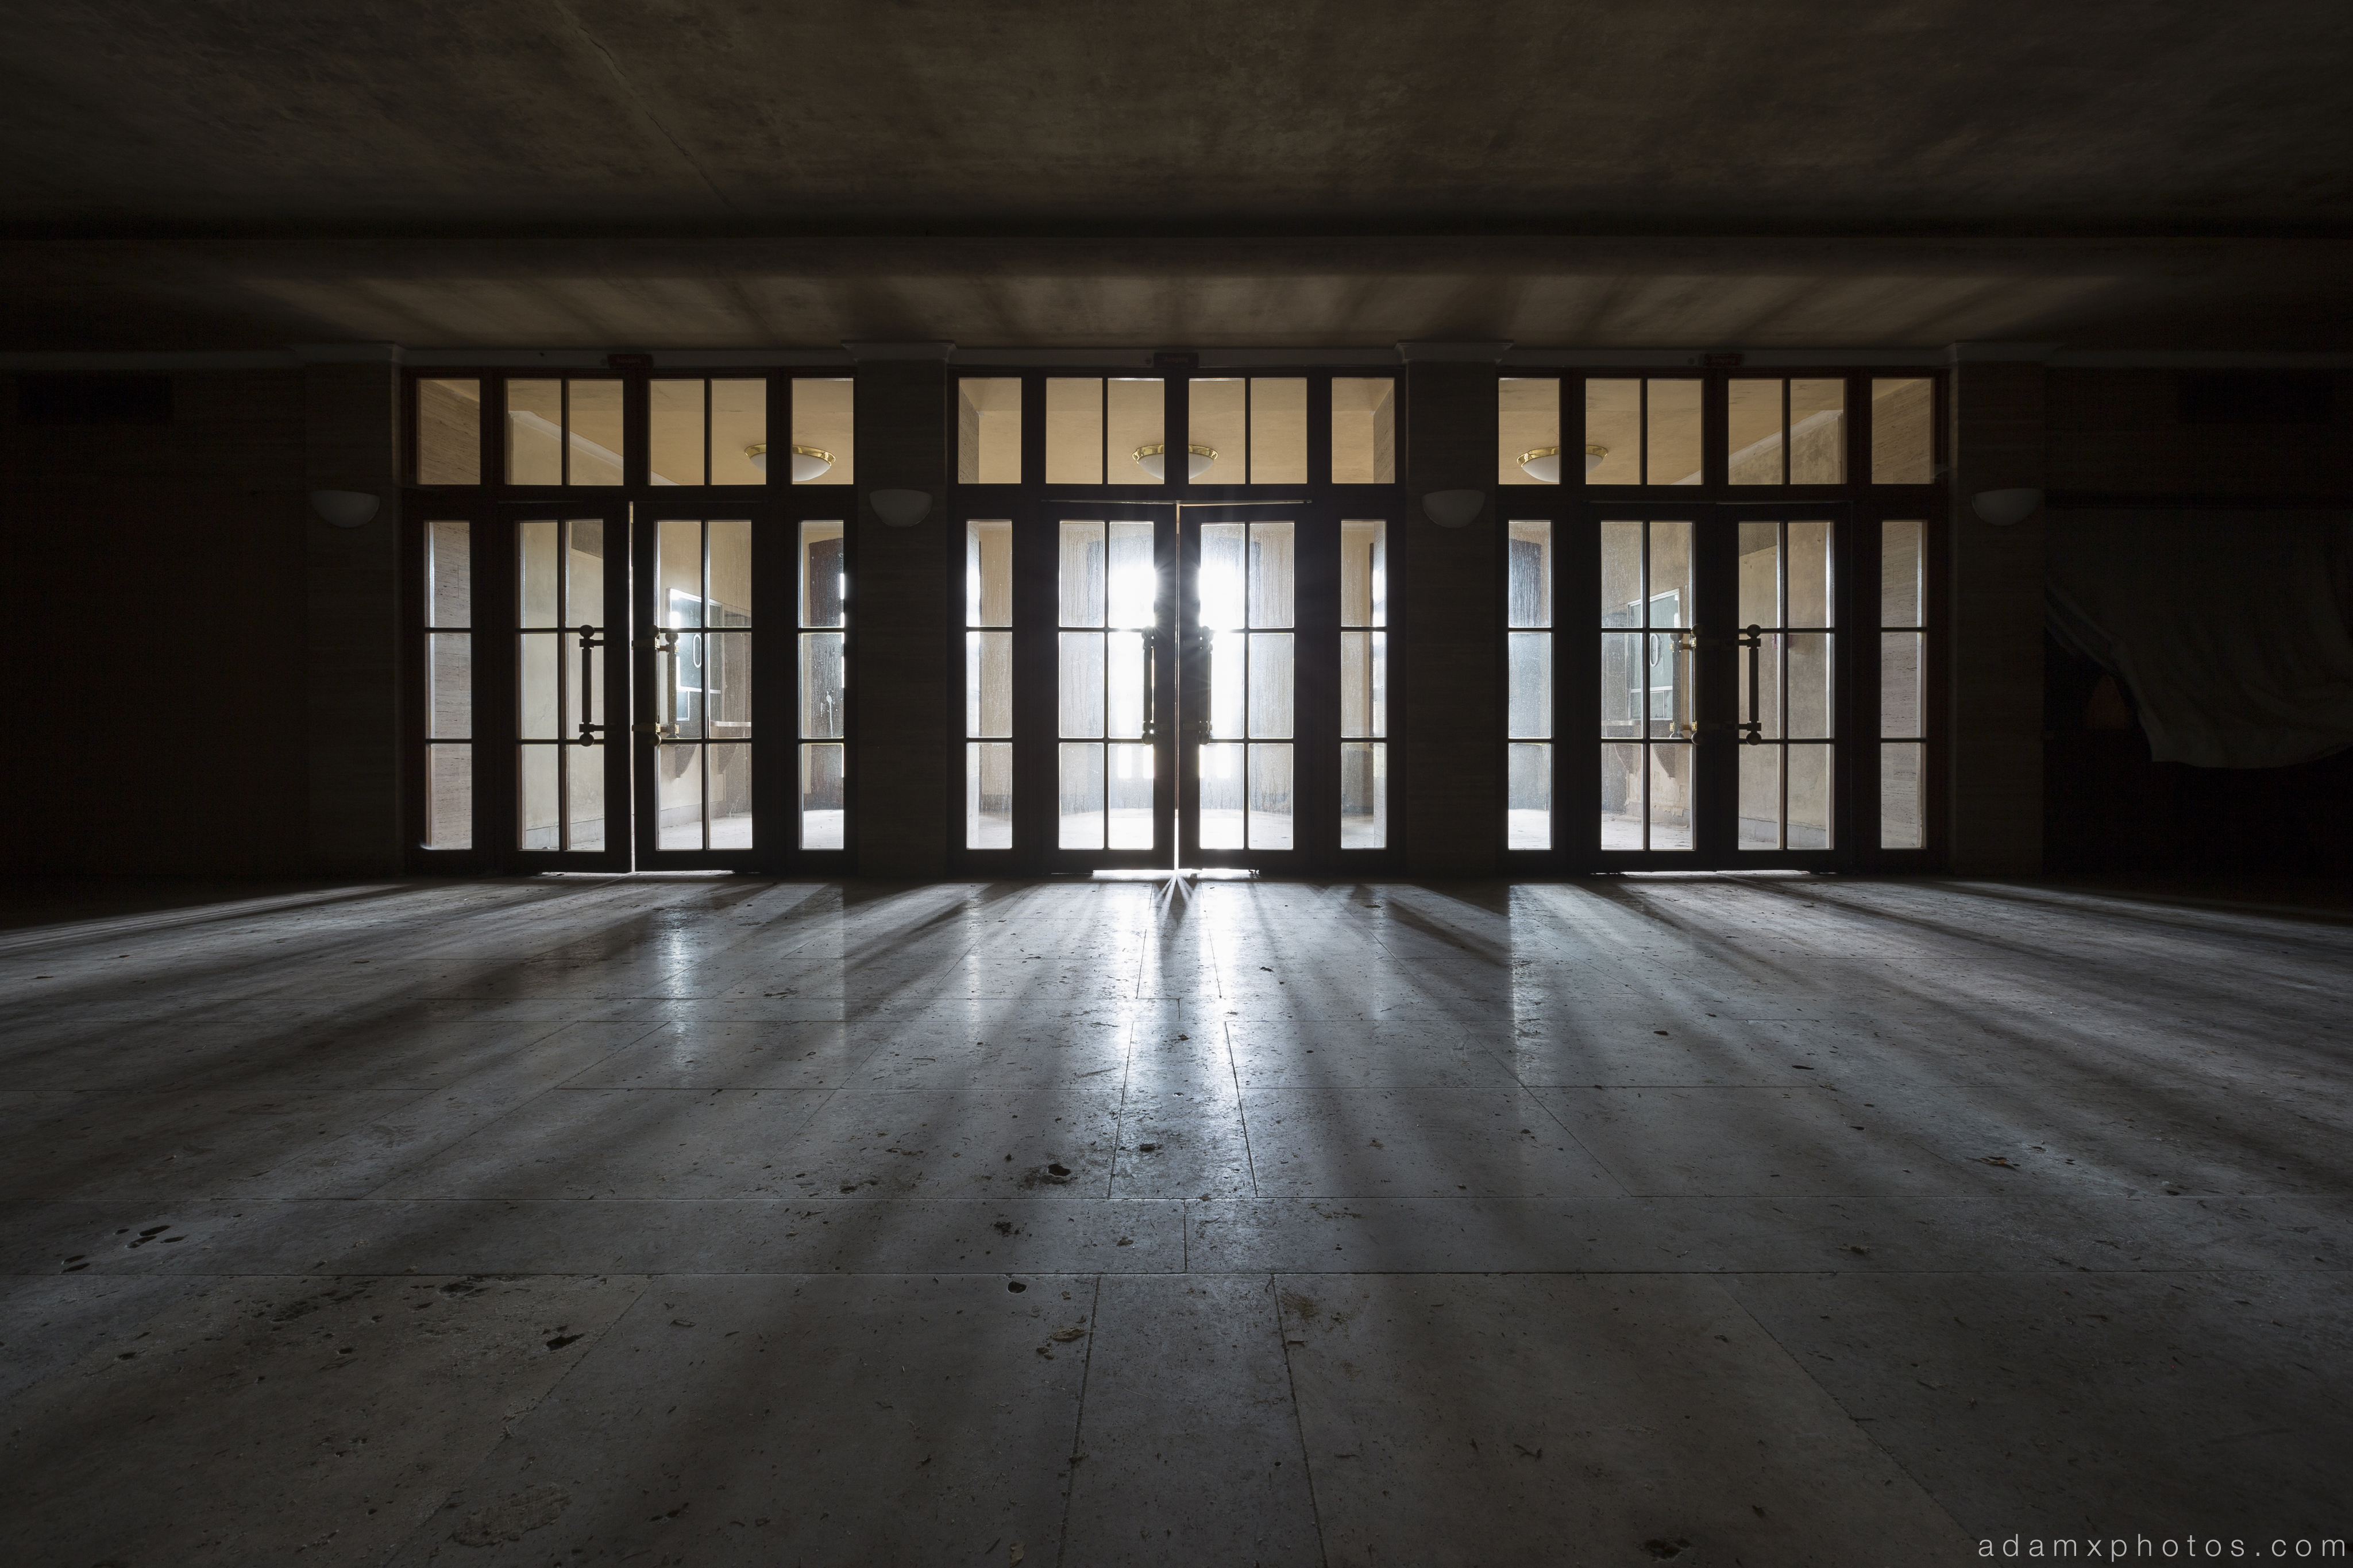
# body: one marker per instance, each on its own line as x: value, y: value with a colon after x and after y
x: 734, y: 173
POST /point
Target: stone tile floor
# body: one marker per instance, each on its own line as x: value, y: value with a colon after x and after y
x: 709, y: 1220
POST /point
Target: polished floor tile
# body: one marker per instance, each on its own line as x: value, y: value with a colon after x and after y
x: 687, y: 1219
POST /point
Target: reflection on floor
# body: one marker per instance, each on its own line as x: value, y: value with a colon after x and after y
x: 712, y: 1220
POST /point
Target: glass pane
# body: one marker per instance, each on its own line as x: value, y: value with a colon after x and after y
x: 535, y: 432
x: 1081, y: 667
x: 678, y: 789
x: 1364, y: 572
x: 1228, y: 689
x: 1818, y: 432
x: 584, y: 798
x: 1081, y: 797
x: 1364, y: 430
x: 822, y: 797
x: 1766, y: 712
x: 536, y: 544
x: 1221, y: 797
x: 1278, y: 432
x: 685, y: 665
x: 1810, y: 798
x: 1761, y: 574
x: 1903, y: 431
x: 1671, y: 797
x: 1220, y: 584
x: 739, y: 445
x: 1135, y: 414
x: 1363, y: 703
x: 1810, y: 685
x: 541, y: 807
x: 1527, y: 430
x: 1622, y: 575
x: 583, y: 572
x: 674, y: 434
x: 1753, y: 445
x: 1270, y: 797
x: 1621, y: 796
x: 448, y: 573
x: 1903, y: 559
x: 824, y: 699
x: 823, y: 438
x: 988, y: 432
x: 1809, y: 575
x: 1760, y: 797
x: 1899, y: 685
x: 1270, y: 686
x: 1217, y: 431
x: 1082, y: 574
x: 988, y: 795
x: 593, y: 442
x: 1132, y: 585
x: 1528, y: 569
x: 1613, y: 432
x: 1124, y: 689
x: 823, y: 587
x: 1270, y: 573
x: 678, y: 568
x: 1074, y: 431
x: 730, y: 771
x: 989, y: 572
x: 449, y: 436
x: 988, y: 683
x: 540, y: 697
x: 1671, y: 575
x: 1623, y: 686
x: 1901, y: 797
x: 1364, y: 795
x: 1666, y: 678
x: 727, y: 685
x: 1528, y: 797
x: 1672, y: 434
x: 728, y: 586
x: 449, y: 797
x: 1530, y: 707
x: 450, y: 655
x: 1128, y: 797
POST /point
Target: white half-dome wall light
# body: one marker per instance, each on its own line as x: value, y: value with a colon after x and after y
x: 346, y: 508
x: 809, y: 462
x: 1543, y: 464
x: 1154, y: 460
x: 2003, y: 508
x: 1452, y: 509
x: 901, y: 509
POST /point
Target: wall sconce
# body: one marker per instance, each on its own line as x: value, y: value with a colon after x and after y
x: 346, y: 508
x: 2003, y: 508
x: 1452, y: 509
x: 901, y: 509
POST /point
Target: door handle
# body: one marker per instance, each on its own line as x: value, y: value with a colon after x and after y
x: 590, y: 734
x: 663, y: 641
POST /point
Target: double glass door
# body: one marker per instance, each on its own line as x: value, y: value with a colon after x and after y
x: 631, y: 674
x: 1681, y: 692
x: 1157, y: 686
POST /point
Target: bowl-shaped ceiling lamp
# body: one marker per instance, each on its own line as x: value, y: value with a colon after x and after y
x: 1543, y: 464
x: 1154, y: 460
x: 809, y: 462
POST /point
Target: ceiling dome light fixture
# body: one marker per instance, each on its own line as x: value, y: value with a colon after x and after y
x: 809, y: 462
x: 1543, y: 464
x: 1154, y: 460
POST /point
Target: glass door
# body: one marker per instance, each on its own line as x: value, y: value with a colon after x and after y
x: 1243, y: 793
x: 567, y: 582
x: 1719, y: 683
x: 693, y: 655
x: 1113, y: 695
